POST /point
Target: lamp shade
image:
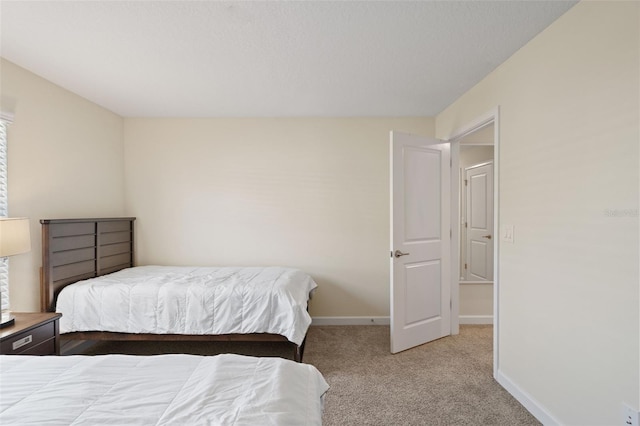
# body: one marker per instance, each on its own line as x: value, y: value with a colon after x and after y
x: 14, y: 236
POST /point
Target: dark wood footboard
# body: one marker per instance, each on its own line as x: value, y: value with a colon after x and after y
x: 298, y: 350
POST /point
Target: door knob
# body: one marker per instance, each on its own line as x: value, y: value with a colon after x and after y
x: 486, y: 236
x: 398, y: 253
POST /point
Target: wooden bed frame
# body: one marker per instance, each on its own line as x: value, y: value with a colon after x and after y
x: 78, y: 249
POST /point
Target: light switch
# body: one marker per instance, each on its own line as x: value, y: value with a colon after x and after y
x: 506, y: 233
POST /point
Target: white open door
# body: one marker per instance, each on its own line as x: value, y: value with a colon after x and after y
x: 420, y: 240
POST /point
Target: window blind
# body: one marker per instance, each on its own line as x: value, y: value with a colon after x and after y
x: 4, y: 263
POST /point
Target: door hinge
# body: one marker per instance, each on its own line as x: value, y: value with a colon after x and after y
x: 465, y: 266
x: 450, y: 233
x: 391, y: 254
x: 466, y: 182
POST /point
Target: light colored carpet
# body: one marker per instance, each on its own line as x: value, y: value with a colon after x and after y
x: 446, y: 382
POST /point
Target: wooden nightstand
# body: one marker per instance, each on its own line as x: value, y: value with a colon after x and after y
x: 34, y: 333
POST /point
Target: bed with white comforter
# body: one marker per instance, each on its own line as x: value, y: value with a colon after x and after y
x: 190, y: 300
x: 159, y: 390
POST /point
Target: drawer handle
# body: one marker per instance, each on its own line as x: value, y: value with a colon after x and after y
x: 24, y: 341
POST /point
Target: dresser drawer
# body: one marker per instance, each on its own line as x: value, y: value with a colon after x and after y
x: 45, y: 348
x: 30, y: 339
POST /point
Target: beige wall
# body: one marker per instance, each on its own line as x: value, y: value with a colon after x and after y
x: 311, y: 193
x: 472, y: 155
x: 476, y: 303
x: 65, y: 160
x: 569, y: 183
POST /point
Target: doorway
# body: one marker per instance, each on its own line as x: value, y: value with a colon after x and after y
x: 476, y: 224
x: 483, y: 131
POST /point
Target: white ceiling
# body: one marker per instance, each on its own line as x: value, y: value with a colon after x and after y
x: 269, y: 58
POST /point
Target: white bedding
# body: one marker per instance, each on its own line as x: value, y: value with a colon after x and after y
x: 190, y: 300
x: 159, y: 390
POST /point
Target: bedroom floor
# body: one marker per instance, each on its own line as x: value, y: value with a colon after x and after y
x: 446, y: 382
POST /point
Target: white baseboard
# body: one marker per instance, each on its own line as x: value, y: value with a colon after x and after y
x: 526, y: 400
x: 464, y: 319
x: 350, y: 321
x: 476, y: 319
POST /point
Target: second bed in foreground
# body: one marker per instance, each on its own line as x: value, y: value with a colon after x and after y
x: 161, y: 390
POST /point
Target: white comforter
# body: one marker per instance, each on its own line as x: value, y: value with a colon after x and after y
x: 190, y: 300
x: 159, y: 390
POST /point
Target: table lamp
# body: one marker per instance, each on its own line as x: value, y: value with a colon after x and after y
x: 14, y: 239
